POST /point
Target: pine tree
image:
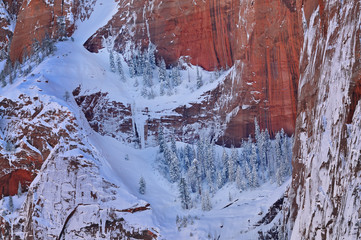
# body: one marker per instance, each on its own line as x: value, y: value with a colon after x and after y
x: 20, y: 191
x: 194, y: 176
x: 151, y: 56
x: 161, y: 140
x: 111, y: 61
x: 174, y: 171
x: 189, y: 152
x: 184, y: 194
x: 173, y: 145
x: 232, y: 162
x: 278, y: 156
x: 131, y: 67
x: 120, y: 68
x: 239, y: 178
x: 209, y: 163
x: 254, y: 182
x: 206, y: 202
x: 3, y: 82
x: 248, y: 174
x: 66, y: 96
x: 176, y: 79
x: 199, y: 79
x: 187, y: 162
x: 219, y: 180
x: 142, y: 186
x: 225, y: 165
x: 161, y: 89
x: 11, y: 204
x: 147, y: 74
x: 162, y: 73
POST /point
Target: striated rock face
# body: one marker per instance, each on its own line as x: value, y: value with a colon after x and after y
x: 262, y: 40
x: 30, y: 130
x: 325, y: 195
x: 38, y: 18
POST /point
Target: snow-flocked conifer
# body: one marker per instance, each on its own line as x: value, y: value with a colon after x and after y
x: 199, y: 79
x: 206, y: 202
x: 120, y: 68
x: 239, y: 178
x: 142, y: 186
x: 174, y: 170
x: 11, y: 204
x: 111, y: 61
x: 184, y: 194
x: 20, y: 190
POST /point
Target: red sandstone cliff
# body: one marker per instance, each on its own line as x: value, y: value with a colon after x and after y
x: 263, y: 38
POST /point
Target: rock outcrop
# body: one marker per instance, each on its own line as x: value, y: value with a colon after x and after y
x: 325, y: 195
x: 30, y: 129
x: 68, y: 196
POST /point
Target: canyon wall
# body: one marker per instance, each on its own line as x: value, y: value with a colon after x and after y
x: 325, y: 195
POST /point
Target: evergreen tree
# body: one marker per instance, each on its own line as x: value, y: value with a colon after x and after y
x: 219, y: 180
x: 200, y: 157
x: 142, y: 186
x: 239, y: 178
x: 254, y: 181
x: 232, y: 162
x: 151, y: 94
x: 120, y: 68
x: 209, y: 163
x: 199, y: 79
x: 187, y: 162
x: 225, y: 165
x: 11, y: 204
x: 194, y: 177
x: 206, y: 202
x: 151, y: 56
x: 20, y: 190
x: 174, y: 171
x: 66, y: 96
x: 184, y: 194
x: 111, y: 61
x: 278, y: 156
x: 131, y: 66
x: 162, y: 72
x: 248, y: 174
x: 189, y: 152
x: 173, y: 145
x: 176, y: 78
x: 3, y: 82
x: 147, y: 74
x: 161, y: 89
